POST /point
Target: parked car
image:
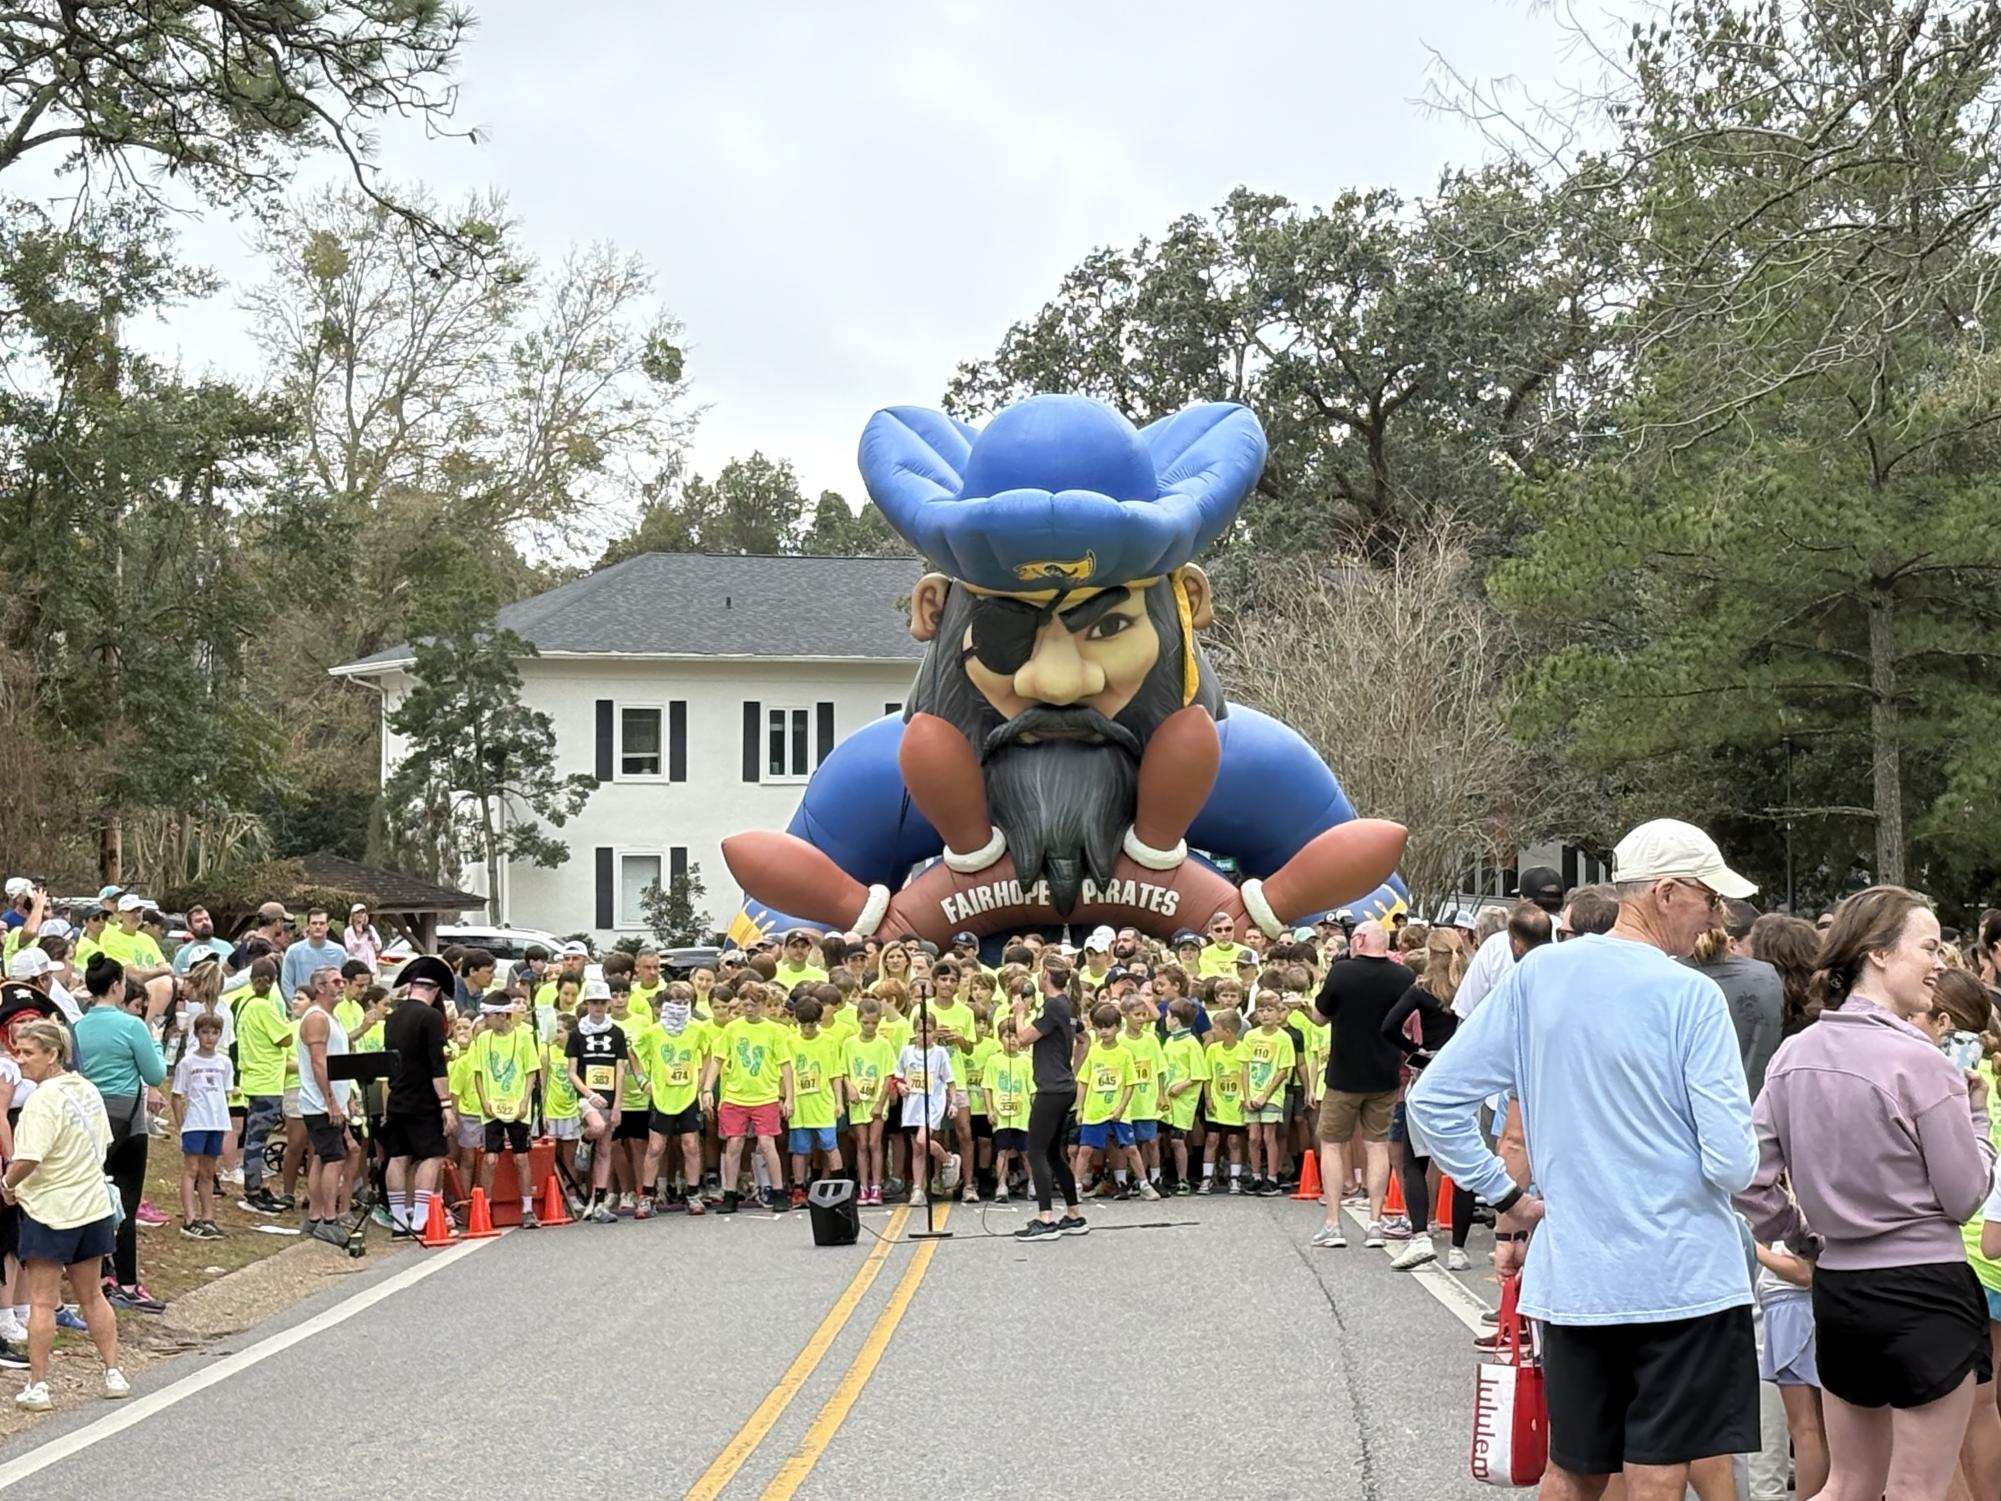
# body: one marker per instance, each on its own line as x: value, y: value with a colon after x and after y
x: 509, y: 946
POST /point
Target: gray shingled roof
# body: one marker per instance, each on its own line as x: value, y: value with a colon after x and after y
x: 715, y: 605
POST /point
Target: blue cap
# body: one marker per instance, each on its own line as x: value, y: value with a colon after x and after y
x: 1061, y: 491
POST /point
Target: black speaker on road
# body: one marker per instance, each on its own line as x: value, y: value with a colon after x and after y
x: 836, y: 1219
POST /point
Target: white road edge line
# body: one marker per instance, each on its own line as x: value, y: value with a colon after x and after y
x: 1457, y: 1299
x: 136, y: 1410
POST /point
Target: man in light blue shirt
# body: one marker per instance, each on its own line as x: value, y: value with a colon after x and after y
x: 314, y: 951
x: 1638, y: 1126
x: 202, y: 942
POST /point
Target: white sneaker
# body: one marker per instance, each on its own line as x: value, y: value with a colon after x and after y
x: 1331, y: 1238
x: 1418, y: 1253
x: 115, y: 1384
x: 1456, y: 1261
x: 1374, y: 1237
x: 12, y: 1330
x: 951, y: 1172
x: 234, y: 1176
x: 917, y: 1198
x: 1000, y: 1194
x: 34, y: 1397
x: 1148, y: 1191
x: 627, y: 1203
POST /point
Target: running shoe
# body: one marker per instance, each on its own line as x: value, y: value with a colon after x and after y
x: 728, y: 1205
x: 969, y: 1195
x: 798, y: 1198
x: 916, y: 1198
x: 115, y: 1384
x: 1271, y: 1188
x: 772, y: 1200
x: 1456, y: 1261
x: 1073, y: 1224
x: 626, y: 1203
x: 1183, y: 1189
x: 1039, y: 1230
x: 1148, y: 1192
x: 68, y: 1318
x: 1000, y: 1193
x: 380, y: 1215
x: 1236, y: 1185
x: 191, y: 1229
x: 1418, y: 1253
x: 1354, y: 1193
x: 260, y: 1201
x: 1395, y: 1228
x: 604, y: 1214
x: 1330, y: 1238
x: 528, y: 1219
x: 137, y: 1298
x: 210, y: 1230
x: 12, y: 1356
x: 330, y: 1232
x: 146, y: 1214
x: 644, y: 1209
x: 1374, y: 1237
x: 1123, y: 1192
x: 34, y: 1397
x: 283, y: 1203
x: 695, y: 1205
x: 1208, y: 1186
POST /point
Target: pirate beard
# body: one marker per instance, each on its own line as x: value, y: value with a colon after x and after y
x: 1064, y: 806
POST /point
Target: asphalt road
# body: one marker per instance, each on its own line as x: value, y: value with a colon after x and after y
x: 1196, y: 1347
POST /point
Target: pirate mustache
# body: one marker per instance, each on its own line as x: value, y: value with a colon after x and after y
x: 1070, y: 722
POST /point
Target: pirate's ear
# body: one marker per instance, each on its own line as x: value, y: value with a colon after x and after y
x: 1195, y: 589
x: 927, y: 605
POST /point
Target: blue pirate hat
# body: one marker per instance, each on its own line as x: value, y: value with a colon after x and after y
x: 1061, y: 491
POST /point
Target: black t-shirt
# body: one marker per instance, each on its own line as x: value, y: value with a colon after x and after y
x: 1357, y: 995
x: 1435, y: 1024
x: 1057, y: 1030
x: 414, y: 1038
x: 598, y: 1056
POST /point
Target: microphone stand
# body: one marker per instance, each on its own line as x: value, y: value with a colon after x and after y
x: 930, y: 1230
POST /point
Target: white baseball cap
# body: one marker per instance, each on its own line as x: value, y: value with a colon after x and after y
x: 18, y: 886
x: 30, y: 963
x: 574, y: 950
x: 55, y: 927
x: 1100, y: 941
x: 1667, y: 849
x: 132, y: 902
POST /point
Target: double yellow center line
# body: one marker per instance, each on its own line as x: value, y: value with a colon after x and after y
x: 760, y: 1423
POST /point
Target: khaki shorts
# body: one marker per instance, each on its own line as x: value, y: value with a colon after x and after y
x: 1341, y: 1112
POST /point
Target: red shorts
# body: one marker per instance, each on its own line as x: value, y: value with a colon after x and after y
x: 748, y: 1120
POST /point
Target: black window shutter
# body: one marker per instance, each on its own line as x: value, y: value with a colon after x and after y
x: 605, y: 712
x: 825, y: 735
x: 677, y: 740
x: 1569, y: 867
x: 753, y: 738
x: 607, y: 901
x: 677, y: 864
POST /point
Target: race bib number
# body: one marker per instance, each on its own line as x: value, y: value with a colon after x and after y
x: 679, y: 1075
x: 600, y: 1076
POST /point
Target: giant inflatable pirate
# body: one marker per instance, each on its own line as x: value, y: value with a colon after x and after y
x: 1065, y: 743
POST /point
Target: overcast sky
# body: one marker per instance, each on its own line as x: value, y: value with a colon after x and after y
x: 844, y: 201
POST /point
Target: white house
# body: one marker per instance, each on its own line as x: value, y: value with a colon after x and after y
x: 701, y: 691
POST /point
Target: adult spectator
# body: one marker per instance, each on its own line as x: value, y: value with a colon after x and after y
x: 66, y: 1225
x: 1529, y: 928
x: 1422, y: 1022
x: 20, y: 893
x: 274, y: 926
x: 1495, y: 956
x: 1792, y: 947
x: 124, y: 941
x: 263, y: 1033
x: 1626, y: 1069
x: 1756, y: 995
x: 202, y: 942
x: 473, y: 980
x: 33, y: 966
x: 1049, y: 1030
x: 315, y: 951
x: 323, y: 1107
x: 1364, y: 1069
x: 1885, y: 1145
x: 360, y: 937
x: 798, y: 966
x: 419, y: 1110
x: 1220, y: 955
x: 90, y: 925
x: 1590, y: 909
x: 118, y: 1055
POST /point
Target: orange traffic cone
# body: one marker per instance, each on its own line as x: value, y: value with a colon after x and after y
x: 1441, y: 1206
x: 479, y: 1218
x: 1393, y: 1200
x: 554, y: 1210
x: 1309, y: 1177
x: 437, y: 1229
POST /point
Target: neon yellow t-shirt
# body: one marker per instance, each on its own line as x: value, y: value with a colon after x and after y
x: 508, y: 1065
x: 1226, y: 1084
x: 1220, y: 959
x: 754, y: 1055
x: 1182, y: 1059
x: 976, y: 1091
x: 673, y: 1065
x: 458, y: 1079
x: 1989, y: 1272
x: 841, y: 1024
x: 868, y: 1062
x: 1319, y: 1037
x: 958, y: 1017
x: 786, y: 976
x: 1145, y: 1048
x: 897, y: 1030
x: 817, y: 1062
x: 1091, y: 981
x: 1009, y: 1081
x: 640, y: 998
x: 633, y: 1096
x: 263, y: 1038
x: 86, y: 949
x: 1269, y: 1061
x: 135, y: 949
x: 1107, y: 1073
x: 559, y: 1095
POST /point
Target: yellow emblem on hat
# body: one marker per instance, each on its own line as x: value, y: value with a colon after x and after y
x: 1074, y: 571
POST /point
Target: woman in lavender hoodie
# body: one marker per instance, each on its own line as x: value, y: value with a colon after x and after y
x: 1885, y: 1144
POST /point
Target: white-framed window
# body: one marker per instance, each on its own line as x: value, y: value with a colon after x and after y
x: 788, y: 744
x: 636, y: 871
x: 641, y: 750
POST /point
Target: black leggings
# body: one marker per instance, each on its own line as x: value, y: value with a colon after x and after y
x: 126, y: 1165
x: 1046, y: 1161
x: 1417, y: 1199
